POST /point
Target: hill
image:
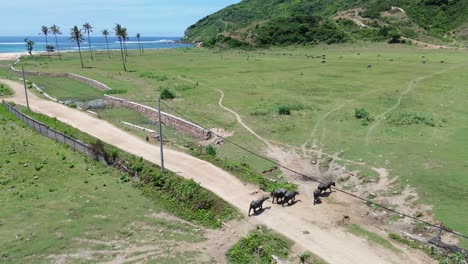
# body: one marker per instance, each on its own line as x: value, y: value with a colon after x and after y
x: 284, y: 22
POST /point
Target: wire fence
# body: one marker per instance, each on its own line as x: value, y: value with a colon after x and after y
x: 53, y: 134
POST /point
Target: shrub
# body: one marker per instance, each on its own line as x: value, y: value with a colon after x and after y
x: 258, y: 247
x: 410, y: 118
x: 364, y: 115
x: 284, y: 110
x: 167, y: 94
x: 116, y: 91
x: 151, y: 75
x: 210, y: 150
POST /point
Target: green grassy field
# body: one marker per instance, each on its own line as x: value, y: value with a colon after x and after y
x: 416, y: 97
x: 62, y: 204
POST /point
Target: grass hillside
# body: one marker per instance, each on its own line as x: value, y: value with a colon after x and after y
x: 270, y: 22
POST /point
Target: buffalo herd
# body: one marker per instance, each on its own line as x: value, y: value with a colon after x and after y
x: 283, y: 196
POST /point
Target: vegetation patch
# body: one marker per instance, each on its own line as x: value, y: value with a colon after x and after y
x: 411, y: 118
x: 5, y: 90
x: 258, y: 247
x: 167, y: 94
x: 284, y: 110
x: 363, y: 115
x: 116, y: 91
x: 359, y: 231
x: 241, y: 170
x: 431, y: 251
x: 152, y: 75
x: 179, y: 196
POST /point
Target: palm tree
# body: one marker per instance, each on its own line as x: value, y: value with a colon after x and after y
x: 45, y: 32
x: 77, y: 35
x: 125, y: 38
x: 56, y: 31
x: 139, y: 44
x: 88, y: 28
x: 29, y: 45
x: 119, y: 33
x: 106, y: 33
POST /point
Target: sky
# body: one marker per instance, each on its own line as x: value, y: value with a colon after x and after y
x: 164, y: 18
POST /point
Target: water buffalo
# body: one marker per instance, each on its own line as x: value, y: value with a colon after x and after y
x: 317, y: 193
x: 255, y: 204
x: 290, y: 197
x: 278, y: 194
x: 324, y: 186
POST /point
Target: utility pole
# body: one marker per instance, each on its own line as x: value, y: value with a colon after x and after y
x: 160, y: 136
x: 25, y: 89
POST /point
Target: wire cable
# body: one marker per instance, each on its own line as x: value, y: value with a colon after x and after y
x: 318, y: 181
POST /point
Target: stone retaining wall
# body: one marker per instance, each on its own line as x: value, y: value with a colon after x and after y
x: 167, y: 119
x: 72, y: 76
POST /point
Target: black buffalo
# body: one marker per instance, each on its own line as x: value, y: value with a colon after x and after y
x: 290, y: 197
x: 317, y: 193
x: 278, y: 194
x: 324, y: 186
x: 255, y: 204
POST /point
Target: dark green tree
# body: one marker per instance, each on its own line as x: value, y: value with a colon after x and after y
x: 55, y: 30
x: 29, y: 45
x: 106, y: 33
x: 45, y: 32
x: 119, y: 32
x: 139, y: 43
x: 88, y: 28
x: 77, y: 35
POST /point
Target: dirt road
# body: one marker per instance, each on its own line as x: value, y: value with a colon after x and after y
x: 313, y: 228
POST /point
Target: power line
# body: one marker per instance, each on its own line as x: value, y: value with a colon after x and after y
x: 318, y: 181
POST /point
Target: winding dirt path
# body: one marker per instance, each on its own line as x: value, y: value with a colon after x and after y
x: 239, y: 119
x: 312, y: 228
x: 411, y: 85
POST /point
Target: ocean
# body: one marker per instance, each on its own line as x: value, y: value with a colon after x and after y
x: 17, y: 44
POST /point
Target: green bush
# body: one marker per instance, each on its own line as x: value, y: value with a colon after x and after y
x: 4, y: 90
x: 116, y: 91
x: 151, y: 75
x: 410, y: 118
x: 210, y: 150
x: 364, y: 115
x: 258, y: 247
x: 284, y: 110
x: 167, y: 94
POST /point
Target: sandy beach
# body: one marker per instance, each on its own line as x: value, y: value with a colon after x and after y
x: 11, y: 56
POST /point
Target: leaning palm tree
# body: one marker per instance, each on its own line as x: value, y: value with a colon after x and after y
x: 77, y: 35
x: 106, y: 33
x: 125, y: 38
x: 139, y: 43
x: 45, y: 32
x: 55, y: 30
x: 88, y: 28
x: 119, y: 33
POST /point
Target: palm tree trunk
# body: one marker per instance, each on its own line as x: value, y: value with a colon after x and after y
x: 47, y: 44
x: 123, y: 58
x: 108, y: 52
x: 56, y: 43
x: 125, y: 47
x: 79, y: 50
x: 89, y: 42
x: 139, y: 46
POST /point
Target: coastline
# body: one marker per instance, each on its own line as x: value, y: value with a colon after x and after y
x: 11, y: 56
